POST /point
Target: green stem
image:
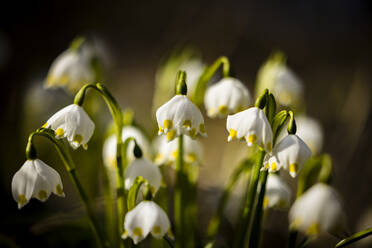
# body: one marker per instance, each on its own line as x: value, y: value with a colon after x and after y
x: 70, y: 167
x: 201, y: 86
x: 215, y: 222
x: 354, y: 238
x: 179, y: 204
x: 117, y: 116
x: 249, y: 203
x: 254, y: 238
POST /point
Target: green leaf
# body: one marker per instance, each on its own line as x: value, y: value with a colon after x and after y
x: 354, y: 238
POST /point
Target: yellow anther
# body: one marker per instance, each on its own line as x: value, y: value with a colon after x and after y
x: 192, y: 133
x: 293, y: 168
x: 265, y: 202
x: 191, y: 157
x: 64, y: 79
x: 125, y: 234
x: 60, y: 132
x: 202, y: 128
x: 266, y: 166
x: 78, y: 138
x: 187, y: 124
x: 168, y: 124
x: 313, y: 229
x: 59, y: 189
x: 137, y: 231
x: 273, y: 166
x: 22, y: 200
x: 156, y: 230
x: 42, y: 194
x: 233, y: 134
x: 175, y: 154
x: 223, y: 110
x: 171, y: 134
x: 252, y: 139
x: 45, y: 125
x: 161, y: 130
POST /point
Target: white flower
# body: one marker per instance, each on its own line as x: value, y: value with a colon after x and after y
x: 146, y: 217
x: 35, y: 179
x: 180, y: 116
x: 73, y: 123
x: 310, y: 131
x: 109, y: 147
x: 228, y: 96
x: 167, y: 151
x: 290, y: 153
x: 318, y: 210
x: 278, y: 194
x: 194, y: 68
x: 252, y: 125
x: 144, y: 168
x: 72, y: 69
x: 281, y: 81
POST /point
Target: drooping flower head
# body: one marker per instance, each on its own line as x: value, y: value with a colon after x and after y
x: 180, y: 116
x: 37, y: 180
x: 276, y: 76
x: 278, y: 194
x: 167, y: 152
x: 146, y: 217
x: 73, y: 123
x: 253, y: 126
x: 144, y: 168
x: 109, y: 146
x: 290, y: 153
x: 228, y: 96
x: 318, y: 210
x: 73, y: 68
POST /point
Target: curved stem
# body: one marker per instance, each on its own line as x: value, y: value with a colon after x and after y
x: 249, y: 203
x: 201, y: 86
x: 179, y: 204
x: 254, y: 238
x: 117, y: 116
x: 354, y: 238
x: 70, y: 167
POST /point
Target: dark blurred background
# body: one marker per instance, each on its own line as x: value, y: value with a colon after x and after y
x: 327, y: 43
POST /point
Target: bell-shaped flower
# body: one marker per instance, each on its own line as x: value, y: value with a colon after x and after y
x: 146, y: 217
x: 318, y: 210
x: 72, y: 69
x: 180, y: 116
x: 73, y: 123
x: 167, y: 152
x: 276, y: 76
x: 109, y: 146
x: 310, y: 131
x: 290, y: 153
x: 144, y: 168
x: 278, y: 194
x: 35, y: 179
x: 251, y: 125
x: 228, y: 96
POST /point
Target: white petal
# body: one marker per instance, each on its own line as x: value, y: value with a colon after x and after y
x: 23, y: 183
x: 319, y: 209
x: 278, y: 194
x: 143, y: 167
x: 227, y: 96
